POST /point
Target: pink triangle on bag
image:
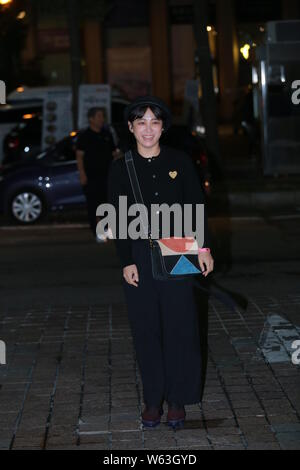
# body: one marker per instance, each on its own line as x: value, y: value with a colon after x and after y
x: 179, y: 245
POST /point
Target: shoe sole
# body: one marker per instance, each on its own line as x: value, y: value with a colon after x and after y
x: 176, y: 423
x: 150, y: 424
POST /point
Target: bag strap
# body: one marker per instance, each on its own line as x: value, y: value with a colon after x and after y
x: 137, y: 193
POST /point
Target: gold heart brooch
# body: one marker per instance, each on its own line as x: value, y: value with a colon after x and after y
x: 173, y: 174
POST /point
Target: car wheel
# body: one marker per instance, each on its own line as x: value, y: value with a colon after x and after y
x: 26, y: 207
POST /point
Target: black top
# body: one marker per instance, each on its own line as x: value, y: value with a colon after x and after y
x: 157, y: 187
x: 97, y: 148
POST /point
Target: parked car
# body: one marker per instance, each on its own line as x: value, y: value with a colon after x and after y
x: 31, y: 188
x: 24, y: 140
x: 11, y: 115
x: 48, y: 182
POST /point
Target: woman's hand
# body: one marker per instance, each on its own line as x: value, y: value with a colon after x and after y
x: 206, y: 262
x: 130, y: 274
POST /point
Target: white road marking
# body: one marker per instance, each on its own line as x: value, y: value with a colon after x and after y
x: 276, y: 339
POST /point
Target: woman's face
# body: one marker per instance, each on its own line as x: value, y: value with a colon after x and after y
x: 146, y: 130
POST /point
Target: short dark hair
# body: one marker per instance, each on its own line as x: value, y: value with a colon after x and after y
x: 92, y: 111
x: 139, y: 111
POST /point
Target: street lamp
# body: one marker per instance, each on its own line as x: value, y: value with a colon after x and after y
x: 5, y: 2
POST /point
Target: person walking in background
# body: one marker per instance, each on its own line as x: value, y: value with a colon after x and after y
x: 162, y: 313
x: 95, y: 149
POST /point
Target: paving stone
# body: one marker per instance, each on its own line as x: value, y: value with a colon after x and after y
x: 191, y: 433
x: 282, y: 419
x: 126, y: 425
x: 224, y: 431
x: 287, y: 427
x: 126, y: 435
x: 225, y: 440
x: 127, y: 445
x: 289, y: 440
x: 106, y: 407
x: 28, y: 441
x: 37, y: 432
x: 5, y: 443
x: 194, y: 447
x: 229, y: 447
x: 220, y: 423
x: 185, y: 442
x: 102, y: 439
x: 263, y: 446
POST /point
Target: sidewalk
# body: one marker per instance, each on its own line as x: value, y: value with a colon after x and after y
x: 72, y: 381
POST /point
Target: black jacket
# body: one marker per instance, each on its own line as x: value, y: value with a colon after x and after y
x: 170, y: 178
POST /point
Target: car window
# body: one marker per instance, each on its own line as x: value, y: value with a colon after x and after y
x: 33, y: 125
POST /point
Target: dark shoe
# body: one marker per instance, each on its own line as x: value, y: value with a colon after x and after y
x: 176, y: 415
x: 151, y: 416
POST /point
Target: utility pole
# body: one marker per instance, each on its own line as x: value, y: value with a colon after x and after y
x: 75, y: 54
x: 209, y: 104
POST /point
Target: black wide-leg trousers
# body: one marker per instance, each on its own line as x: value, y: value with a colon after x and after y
x: 164, y: 324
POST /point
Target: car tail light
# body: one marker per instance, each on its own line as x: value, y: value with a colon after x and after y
x: 203, y: 159
x: 13, y: 142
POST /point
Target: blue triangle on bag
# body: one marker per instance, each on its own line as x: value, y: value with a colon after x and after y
x: 184, y: 266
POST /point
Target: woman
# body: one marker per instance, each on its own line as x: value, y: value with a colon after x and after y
x: 162, y: 314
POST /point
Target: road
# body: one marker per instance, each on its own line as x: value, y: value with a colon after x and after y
x: 63, y: 262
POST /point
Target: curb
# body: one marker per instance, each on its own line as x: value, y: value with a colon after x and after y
x: 253, y: 199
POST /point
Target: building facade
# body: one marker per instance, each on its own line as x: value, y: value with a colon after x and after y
x: 143, y: 46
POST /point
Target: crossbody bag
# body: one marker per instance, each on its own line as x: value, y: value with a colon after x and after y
x: 172, y: 258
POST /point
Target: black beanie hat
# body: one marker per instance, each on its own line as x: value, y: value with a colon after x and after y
x: 151, y: 101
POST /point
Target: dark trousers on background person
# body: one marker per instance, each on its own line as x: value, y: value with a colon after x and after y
x: 95, y: 193
x: 165, y: 329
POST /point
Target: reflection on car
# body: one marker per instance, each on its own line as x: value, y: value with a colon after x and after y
x: 48, y: 182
